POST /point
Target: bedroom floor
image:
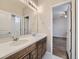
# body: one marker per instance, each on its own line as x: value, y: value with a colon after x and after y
x: 59, y: 47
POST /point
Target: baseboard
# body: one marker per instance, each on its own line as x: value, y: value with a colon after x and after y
x: 67, y: 55
x: 59, y: 37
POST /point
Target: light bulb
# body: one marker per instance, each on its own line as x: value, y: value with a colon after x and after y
x: 65, y: 16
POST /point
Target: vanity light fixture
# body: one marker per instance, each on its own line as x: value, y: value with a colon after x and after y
x: 30, y: 4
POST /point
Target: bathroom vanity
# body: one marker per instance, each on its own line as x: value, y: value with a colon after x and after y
x: 35, y: 49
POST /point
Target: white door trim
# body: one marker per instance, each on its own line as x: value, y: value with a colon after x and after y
x: 58, y: 4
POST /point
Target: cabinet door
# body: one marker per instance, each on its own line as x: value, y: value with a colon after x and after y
x: 44, y: 49
x: 43, y: 46
x: 39, y: 57
x: 33, y: 54
x: 39, y: 49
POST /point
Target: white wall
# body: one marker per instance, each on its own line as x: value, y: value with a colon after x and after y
x: 77, y: 23
x: 12, y: 6
x: 60, y: 27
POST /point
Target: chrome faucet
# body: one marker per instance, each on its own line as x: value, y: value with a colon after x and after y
x: 15, y: 38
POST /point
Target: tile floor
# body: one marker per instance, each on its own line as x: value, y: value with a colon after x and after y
x: 50, y: 56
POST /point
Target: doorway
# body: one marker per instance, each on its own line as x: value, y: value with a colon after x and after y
x: 62, y: 31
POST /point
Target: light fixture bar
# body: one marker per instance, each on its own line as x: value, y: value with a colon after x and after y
x: 30, y: 4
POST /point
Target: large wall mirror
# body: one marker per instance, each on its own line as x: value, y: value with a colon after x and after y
x: 16, y: 19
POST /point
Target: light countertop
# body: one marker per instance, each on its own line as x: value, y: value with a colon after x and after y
x: 10, y: 47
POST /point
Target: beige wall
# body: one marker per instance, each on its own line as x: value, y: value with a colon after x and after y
x: 12, y: 6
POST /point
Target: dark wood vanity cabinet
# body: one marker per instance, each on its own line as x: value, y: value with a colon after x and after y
x: 35, y: 51
x: 41, y: 47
